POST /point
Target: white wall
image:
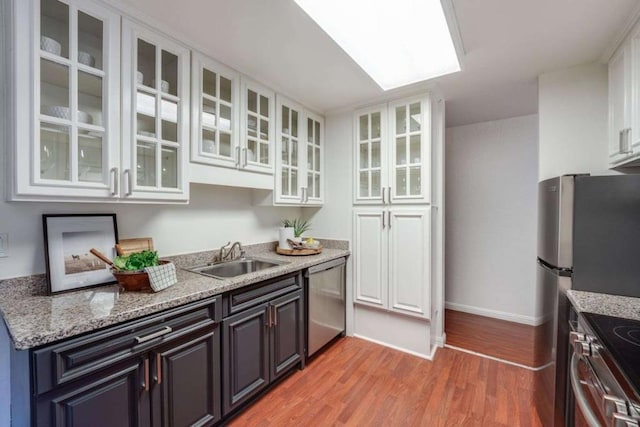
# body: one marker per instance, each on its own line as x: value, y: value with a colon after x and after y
x: 573, y: 110
x: 490, y: 225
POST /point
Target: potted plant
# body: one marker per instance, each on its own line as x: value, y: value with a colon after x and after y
x: 292, y: 229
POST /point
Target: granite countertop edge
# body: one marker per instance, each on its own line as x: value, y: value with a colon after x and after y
x: 21, y: 298
x: 608, y: 305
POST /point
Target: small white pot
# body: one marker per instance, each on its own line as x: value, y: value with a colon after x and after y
x: 285, y: 233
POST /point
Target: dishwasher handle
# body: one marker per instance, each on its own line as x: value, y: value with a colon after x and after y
x: 324, y: 266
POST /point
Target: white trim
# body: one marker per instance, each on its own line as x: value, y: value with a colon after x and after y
x: 496, y: 314
x: 529, y: 368
x: 404, y: 350
x: 441, y: 341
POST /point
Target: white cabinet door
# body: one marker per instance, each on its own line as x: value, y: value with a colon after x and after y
x: 290, y: 143
x: 634, y: 91
x: 257, y: 120
x: 66, y: 101
x: 370, y: 155
x: 300, y: 155
x: 370, y: 257
x: 155, y: 87
x: 410, y: 149
x: 215, y: 113
x: 620, y: 105
x: 314, y: 155
x: 410, y: 261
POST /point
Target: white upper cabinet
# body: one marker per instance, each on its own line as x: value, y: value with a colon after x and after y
x: 155, y: 82
x: 392, y: 153
x: 300, y: 158
x: 215, y: 109
x: 66, y: 101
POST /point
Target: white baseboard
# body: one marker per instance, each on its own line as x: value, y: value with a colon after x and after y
x: 441, y: 341
x: 502, y: 315
x: 404, y: 350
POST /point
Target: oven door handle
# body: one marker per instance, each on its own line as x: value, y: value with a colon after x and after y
x: 581, y: 398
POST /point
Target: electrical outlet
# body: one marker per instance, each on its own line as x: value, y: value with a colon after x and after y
x: 4, y: 245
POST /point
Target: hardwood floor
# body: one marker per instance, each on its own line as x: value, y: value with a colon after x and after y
x: 510, y: 341
x: 358, y: 383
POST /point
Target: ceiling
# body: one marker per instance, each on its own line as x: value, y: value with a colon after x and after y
x: 507, y: 44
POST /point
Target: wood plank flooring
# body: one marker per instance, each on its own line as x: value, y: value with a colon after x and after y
x: 358, y: 383
x: 510, y: 341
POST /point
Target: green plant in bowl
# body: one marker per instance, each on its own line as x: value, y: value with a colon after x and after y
x: 136, y: 261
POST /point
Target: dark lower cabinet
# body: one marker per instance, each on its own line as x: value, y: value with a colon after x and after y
x: 286, y: 336
x: 115, y: 398
x: 186, y: 377
x: 260, y: 344
x: 165, y: 372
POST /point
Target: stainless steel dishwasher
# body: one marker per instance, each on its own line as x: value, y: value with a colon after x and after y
x: 326, y: 303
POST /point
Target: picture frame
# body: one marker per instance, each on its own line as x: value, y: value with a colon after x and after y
x: 67, y: 241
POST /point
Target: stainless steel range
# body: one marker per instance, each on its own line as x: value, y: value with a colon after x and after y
x: 605, y: 370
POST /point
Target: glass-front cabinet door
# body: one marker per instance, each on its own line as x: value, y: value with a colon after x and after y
x: 289, y: 179
x: 215, y: 112
x: 67, y: 100
x: 314, y: 191
x: 256, y: 150
x: 156, y: 115
x: 370, y: 154
x: 410, y: 151
x: 300, y: 155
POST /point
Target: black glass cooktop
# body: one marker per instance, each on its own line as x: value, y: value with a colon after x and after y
x: 621, y: 337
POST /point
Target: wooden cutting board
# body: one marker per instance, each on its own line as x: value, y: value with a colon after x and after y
x: 298, y: 252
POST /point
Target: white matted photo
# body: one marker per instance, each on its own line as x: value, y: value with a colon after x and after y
x: 68, y: 240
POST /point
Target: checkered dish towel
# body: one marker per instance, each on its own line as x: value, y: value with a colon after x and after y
x: 162, y: 276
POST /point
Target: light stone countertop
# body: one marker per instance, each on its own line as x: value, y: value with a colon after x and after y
x: 609, y: 305
x: 34, y: 318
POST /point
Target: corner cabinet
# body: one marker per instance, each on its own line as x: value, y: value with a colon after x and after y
x: 392, y: 153
x: 397, y: 243
x: 300, y: 161
x: 155, y: 82
x: 65, y: 92
x: 105, y: 115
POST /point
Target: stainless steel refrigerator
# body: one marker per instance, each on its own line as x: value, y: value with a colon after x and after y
x: 588, y: 239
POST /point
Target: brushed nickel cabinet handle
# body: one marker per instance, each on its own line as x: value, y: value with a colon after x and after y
x: 238, y: 160
x: 113, y: 181
x: 389, y: 212
x: 163, y: 331
x: 129, y: 182
x: 245, y: 159
x: 383, y: 222
x: 275, y: 315
x: 158, y: 369
x: 145, y: 385
x: 269, y: 315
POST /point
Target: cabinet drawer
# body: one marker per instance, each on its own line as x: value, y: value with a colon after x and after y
x: 67, y: 361
x: 250, y: 296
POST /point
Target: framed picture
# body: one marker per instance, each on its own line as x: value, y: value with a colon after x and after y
x: 67, y: 241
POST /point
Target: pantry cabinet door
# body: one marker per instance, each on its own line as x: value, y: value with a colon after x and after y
x: 155, y: 88
x: 410, y: 150
x: 66, y: 101
x: 370, y: 256
x: 370, y: 154
x: 410, y: 261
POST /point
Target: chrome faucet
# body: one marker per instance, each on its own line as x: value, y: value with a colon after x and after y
x: 224, y: 254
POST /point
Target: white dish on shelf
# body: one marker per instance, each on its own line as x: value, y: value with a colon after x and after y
x: 251, y: 157
x: 86, y: 59
x: 140, y: 77
x: 50, y: 45
x: 208, y: 145
x: 146, y: 133
x: 64, y: 113
x: 164, y: 86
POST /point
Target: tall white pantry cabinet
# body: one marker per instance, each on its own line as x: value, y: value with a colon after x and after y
x: 397, y: 224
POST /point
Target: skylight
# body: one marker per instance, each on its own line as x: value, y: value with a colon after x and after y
x: 396, y: 42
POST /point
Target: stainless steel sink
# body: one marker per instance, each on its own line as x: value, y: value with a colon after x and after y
x: 235, y: 268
